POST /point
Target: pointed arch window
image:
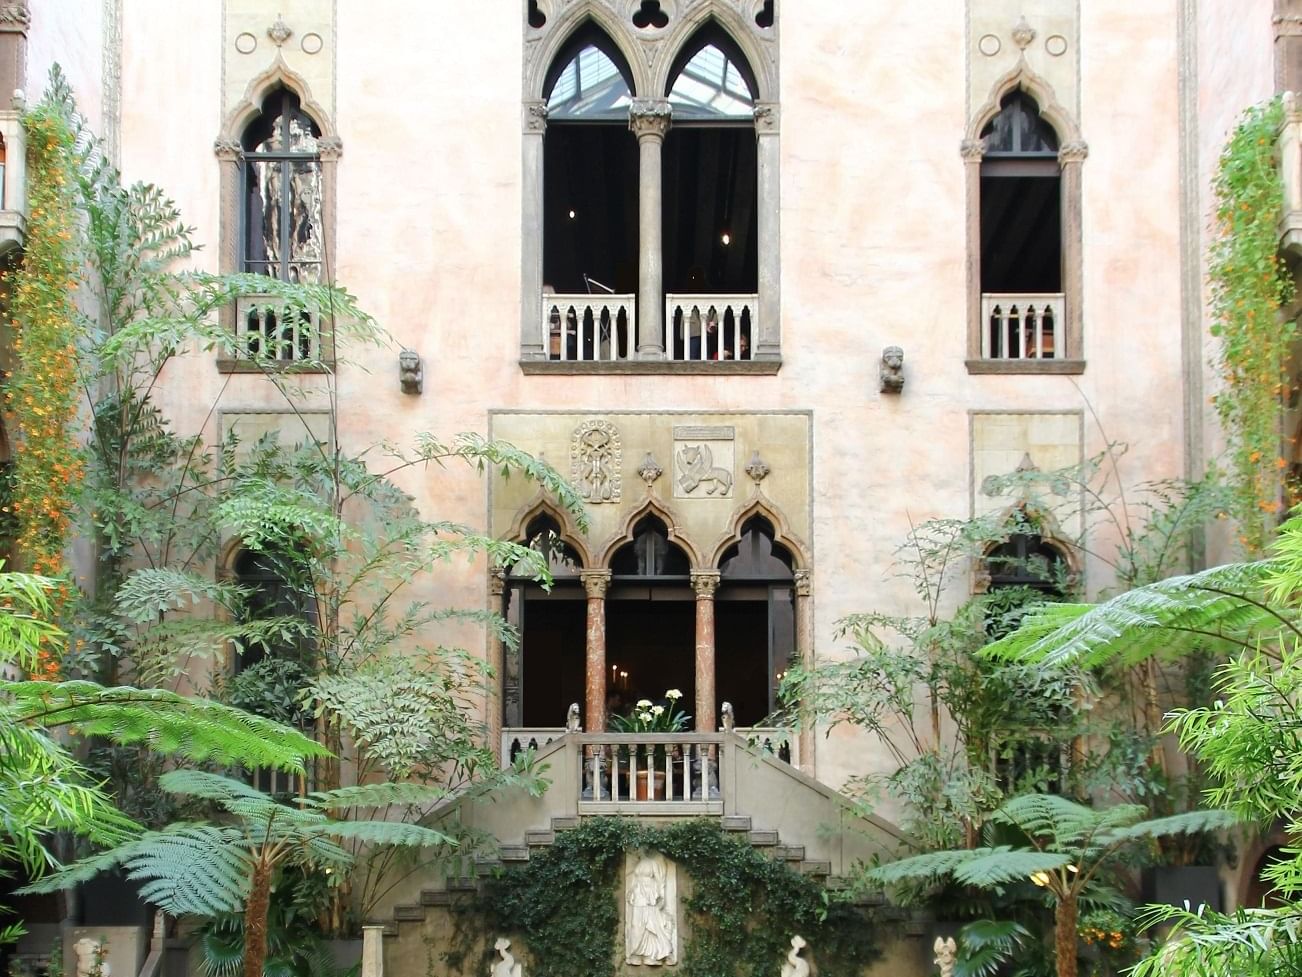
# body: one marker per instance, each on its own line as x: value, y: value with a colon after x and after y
x: 1026, y: 262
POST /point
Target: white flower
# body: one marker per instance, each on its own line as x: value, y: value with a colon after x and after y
x: 644, y: 703
x: 657, y: 710
x: 644, y: 716
x: 673, y: 694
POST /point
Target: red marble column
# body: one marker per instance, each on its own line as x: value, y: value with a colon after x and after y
x: 493, y: 697
x: 805, y: 657
x: 595, y: 583
x: 705, y: 582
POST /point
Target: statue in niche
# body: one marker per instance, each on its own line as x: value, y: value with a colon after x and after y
x: 595, y: 457
x: 796, y: 965
x: 696, y: 465
x: 892, y: 370
x: 946, y: 951
x: 650, y: 920
x: 506, y: 967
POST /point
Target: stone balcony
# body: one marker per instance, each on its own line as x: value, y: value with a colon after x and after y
x: 13, y: 182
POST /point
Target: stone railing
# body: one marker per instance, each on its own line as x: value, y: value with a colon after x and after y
x: 517, y: 739
x: 781, y: 743
x: 711, y: 327
x: 267, y: 330
x: 589, y: 328
x: 652, y: 773
x: 1022, y: 327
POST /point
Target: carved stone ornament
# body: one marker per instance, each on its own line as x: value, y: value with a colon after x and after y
x: 696, y: 468
x: 804, y: 581
x: 972, y: 150
x: 651, y: 910
x: 705, y: 583
x: 1074, y: 151
x: 534, y: 116
x: 649, y: 117
x: 497, y: 581
x: 595, y: 583
x: 1023, y: 34
x: 728, y: 718
x: 595, y: 459
x: 572, y: 719
x: 279, y: 32
x: 227, y: 148
x: 946, y: 951
x: 411, y: 374
x: 757, y: 468
x: 330, y: 147
x: 796, y: 965
x: 766, y: 116
x: 892, y: 370
x: 506, y: 965
x: 649, y: 470
x: 15, y: 16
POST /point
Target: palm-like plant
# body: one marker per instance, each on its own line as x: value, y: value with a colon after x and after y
x: 1066, y: 846
x: 209, y: 868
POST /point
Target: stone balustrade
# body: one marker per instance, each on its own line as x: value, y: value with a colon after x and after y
x: 589, y: 328
x: 650, y: 773
x: 266, y: 329
x: 711, y: 327
x: 1022, y: 326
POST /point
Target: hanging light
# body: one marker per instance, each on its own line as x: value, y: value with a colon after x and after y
x: 725, y: 238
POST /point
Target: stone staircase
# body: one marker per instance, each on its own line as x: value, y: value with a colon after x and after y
x: 510, y: 857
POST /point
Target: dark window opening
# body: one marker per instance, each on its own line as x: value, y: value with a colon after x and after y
x: 650, y: 554
x: 544, y: 536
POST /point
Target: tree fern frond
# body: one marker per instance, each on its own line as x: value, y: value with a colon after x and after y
x: 1190, y: 822
x: 925, y: 867
x: 378, y: 795
x: 383, y: 833
x: 1002, y: 865
x: 985, y: 944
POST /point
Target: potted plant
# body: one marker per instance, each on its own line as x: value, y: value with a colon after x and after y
x: 652, y: 717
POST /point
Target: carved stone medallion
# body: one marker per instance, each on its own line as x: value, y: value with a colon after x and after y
x: 595, y: 459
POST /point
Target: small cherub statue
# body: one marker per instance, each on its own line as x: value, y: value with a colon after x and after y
x: 796, y: 965
x: 892, y: 370
x: 946, y: 951
x: 506, y: 967
x: 410, y: 373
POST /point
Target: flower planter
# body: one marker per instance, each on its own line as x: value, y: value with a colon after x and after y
x: 655, y: 791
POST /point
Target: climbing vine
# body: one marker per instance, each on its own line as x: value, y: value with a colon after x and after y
x: 1249, y: 284
x: 742, y: 910
x: 41, y: 394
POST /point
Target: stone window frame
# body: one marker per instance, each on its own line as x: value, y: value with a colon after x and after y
x: 1072, y: 153
x: 229, y: 150
x: 650, y: 54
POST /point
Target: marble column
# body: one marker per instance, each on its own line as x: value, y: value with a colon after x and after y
x: 595, y: 583
x: 648, y: 118
x: 805, y: 657
x: 532, y: 341
x: 1070, y: 158
x: 768, y: 186
x: 973, y: 151
x: 228, y: 153
x: 494, y: 686
x: 372, y: 951
x: 705, y: 583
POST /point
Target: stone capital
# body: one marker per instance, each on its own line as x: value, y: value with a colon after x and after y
x: 972, y: 150
x: 330, y: 147
x: 705, y: 583
x: 15, y: 17
x: 1073, y: 152
x: 766, y: 117
x: 595, y: 583
x: 227, y: 149
x: 533, y: 115
x: 497, y: 581
x: 804, y: 580
x: 648, y: 118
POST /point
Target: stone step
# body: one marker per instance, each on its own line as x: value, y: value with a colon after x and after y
x: 409, y: 914
x: 462, y: 884
x: 789, y: 853
x: 816, y: 868
x: 486, y: 866
x: 435, y: 897
x: 564, y: 824
x: 734, y: 822
x: 513, y: 853
x: 541, y: 837
x: 390, y: 930
x: 763, y: 838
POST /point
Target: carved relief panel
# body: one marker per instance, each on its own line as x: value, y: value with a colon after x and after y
x: 650, y: 909
x: 704, y: 461
x: 595, y: 459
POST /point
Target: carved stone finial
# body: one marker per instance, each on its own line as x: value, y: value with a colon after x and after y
x: 649, y: 470
x: 411, y: 374
x: 946, y: 951
x: 649, y: 117
x: 757, y: 468
x: 1023, y: 34
x: 279, y: 32
x: 1027, y: 464
x: 728, y: 717
x: 572, y: 719
x: 506, y: 966
x: 796, y: 965
x: 891, y: 373
x: 972, y: 150
x: 1074, y: 151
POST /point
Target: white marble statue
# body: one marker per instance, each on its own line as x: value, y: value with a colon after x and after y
x: 506, y: 967
x: 796, y: 965
x: 89, y: 961
x: 651, y: 924
x: 946, y: 953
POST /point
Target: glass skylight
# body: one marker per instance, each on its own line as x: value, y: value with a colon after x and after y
x: 711, y: 86
x: 589, y: 87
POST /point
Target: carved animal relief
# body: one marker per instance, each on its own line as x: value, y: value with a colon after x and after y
x: 697, y: 470
x: 595, y: 458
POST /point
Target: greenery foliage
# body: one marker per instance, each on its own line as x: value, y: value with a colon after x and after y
x: 743, y: 908
x: 1249, y: 284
